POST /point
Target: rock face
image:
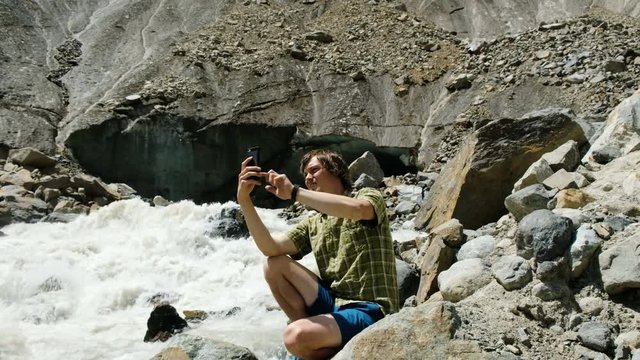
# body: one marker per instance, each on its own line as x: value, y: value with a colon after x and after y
x: 488, y: 165
x: 152, y: 95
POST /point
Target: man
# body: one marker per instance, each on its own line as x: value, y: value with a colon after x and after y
x: 351, y: 241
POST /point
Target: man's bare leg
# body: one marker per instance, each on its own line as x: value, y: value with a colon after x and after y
x: 293, y: 286
x: 316, y: 337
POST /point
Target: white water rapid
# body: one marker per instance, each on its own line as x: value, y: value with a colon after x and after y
x: 81, y: 290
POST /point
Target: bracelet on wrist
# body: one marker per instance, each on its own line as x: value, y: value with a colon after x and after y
x: 294, y: 192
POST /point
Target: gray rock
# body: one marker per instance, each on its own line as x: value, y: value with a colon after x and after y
x: 591, y: 306
x: 23, y: 209
x: 565, y: 180
x: 620, y: 266
x: 576, y: 216
x: 535, y: 174
x: 512, y: 272
x: 462, y: 279
x: 367, y: 164
x: 549, y: 291
x: 31, y: 157
x: 202, y: 348
x: 160, y: 201
x: 459, y: 82
x: 582, y: 352
x: 365, y: 180
x: 583, y: 248
x: 595, y: 335
x: 618, y: 222
x: 566, y: 156
x: 614, y: 66
x: 406, y: 207
x: 527, y: 200
x: 605, y: 154
x: 576, y: 78
x: 408, y: 280
x: 621, y: 134
x: 410, y: 193
x: 51, y: 194
x: 552, y: 270
x: 479, y: 247
x: 543, y: 235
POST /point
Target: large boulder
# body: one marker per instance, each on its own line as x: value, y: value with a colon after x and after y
x: 367, y: 164
x: 423, y: 332
x: 489, y: 163
x: 621, y: 134
x: 543, y: 235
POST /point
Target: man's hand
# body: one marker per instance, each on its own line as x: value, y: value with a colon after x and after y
x: 245, y: 184
x: 279, y: 185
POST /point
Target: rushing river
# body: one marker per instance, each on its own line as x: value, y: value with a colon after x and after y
x: 83, y: 290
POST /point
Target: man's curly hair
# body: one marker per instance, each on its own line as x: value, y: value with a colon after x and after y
x: 332, y: 162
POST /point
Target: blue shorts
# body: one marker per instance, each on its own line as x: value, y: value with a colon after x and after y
x: 352, y: 318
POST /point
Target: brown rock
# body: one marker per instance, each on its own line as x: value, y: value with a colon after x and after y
x: 437, y: 259
x: 572, y: 198
x: 473, y: 185
x: 603, y: 231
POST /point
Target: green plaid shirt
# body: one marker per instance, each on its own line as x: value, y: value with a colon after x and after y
x: 355, y: 258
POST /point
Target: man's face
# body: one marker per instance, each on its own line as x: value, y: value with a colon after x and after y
x: 317, y: 178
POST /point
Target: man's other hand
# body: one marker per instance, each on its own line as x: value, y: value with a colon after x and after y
x: 279, y: 185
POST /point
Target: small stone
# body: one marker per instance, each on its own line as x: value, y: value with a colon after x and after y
x: 512, y: 349
x: 614, y: 66
x: 320, y: 36
x: 543, y: 54
x: 357, y: 76
x: 160, y: 201
x: 133, y: 98
x: 602, y: 230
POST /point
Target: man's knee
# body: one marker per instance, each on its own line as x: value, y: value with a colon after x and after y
x: 274, y: 266
x: 297, y: 339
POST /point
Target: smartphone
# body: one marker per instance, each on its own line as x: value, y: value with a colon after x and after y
x: 254, y: 152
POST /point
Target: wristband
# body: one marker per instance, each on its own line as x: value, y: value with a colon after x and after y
x: 294, y: 192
